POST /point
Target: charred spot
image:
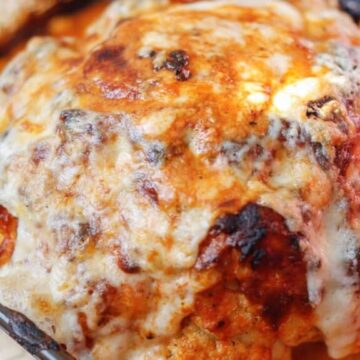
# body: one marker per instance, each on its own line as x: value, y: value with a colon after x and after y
x: 352, y: 7
x: 244, y: 221
x: 314, y: 106
x: 8, y: 232
x: 244, y: 232
x: 178, y: 62
x: 332, y: 112
x: 40, y: 153
x: 259, y: 257
x: 320, y: 155
x: 247, y: 242
x: 106, y: 59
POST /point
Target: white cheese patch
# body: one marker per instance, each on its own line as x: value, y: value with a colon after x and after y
x: 190, y: 231
x: 177, y: 297
x: 279, y: 63
x: 158, y: 122
x: 338, y: 309
x: 280, y: 8
x: 290, y: 101
x: 155, y: 39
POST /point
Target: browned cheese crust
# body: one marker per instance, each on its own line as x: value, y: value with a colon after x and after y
x: 182, y: 183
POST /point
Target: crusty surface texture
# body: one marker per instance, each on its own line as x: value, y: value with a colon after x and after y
x: 183, y: 182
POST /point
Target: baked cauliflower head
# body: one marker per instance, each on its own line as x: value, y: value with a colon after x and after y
x: 183, y: 182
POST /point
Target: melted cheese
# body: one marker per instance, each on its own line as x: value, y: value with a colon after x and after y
x: 119, y: 152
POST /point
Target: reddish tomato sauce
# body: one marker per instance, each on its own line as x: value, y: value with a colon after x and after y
x: 8, y: 228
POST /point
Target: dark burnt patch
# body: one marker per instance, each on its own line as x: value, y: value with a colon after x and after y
x: 178, y: 62
x: 314, y: 106
x: 255, y: 250
x: 107, y: 59
x: 327, y: 109
x: 242, y: 231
